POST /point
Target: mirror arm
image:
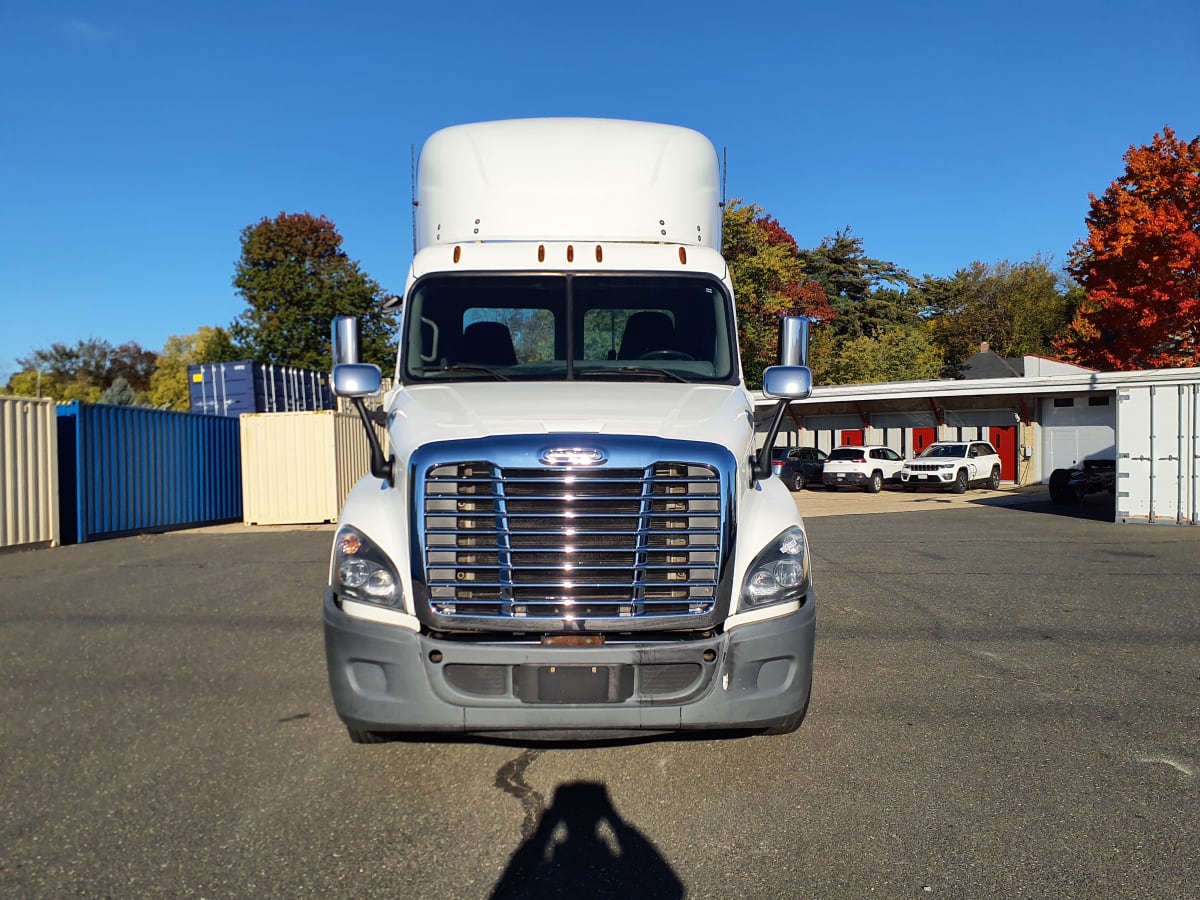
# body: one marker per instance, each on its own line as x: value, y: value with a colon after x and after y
x: 381, y: 467
x: 760, y: 464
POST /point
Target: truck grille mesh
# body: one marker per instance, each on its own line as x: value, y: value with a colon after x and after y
x: 523, y: 544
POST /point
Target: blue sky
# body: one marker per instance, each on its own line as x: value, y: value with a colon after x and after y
x: 138, y: 139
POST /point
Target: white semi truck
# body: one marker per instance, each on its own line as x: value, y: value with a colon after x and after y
x: 571, y: 532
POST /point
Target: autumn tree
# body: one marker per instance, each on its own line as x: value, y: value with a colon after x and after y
x: 1140, y: 264
x: 1017, y: 308
x: 769, y: 283
x: 295, y: 277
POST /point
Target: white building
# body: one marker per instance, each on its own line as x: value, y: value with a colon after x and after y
x: 1041, y: 415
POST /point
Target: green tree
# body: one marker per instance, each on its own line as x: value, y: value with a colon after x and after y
x: 893, y: 353
x: 1018, y: 308
x: 83, y: 370
x: 169, y: 387
x: 769, y: 282
x: 295, y: 277
x: 862, y: 290
x: 119, y: 393
x: 877, y: 332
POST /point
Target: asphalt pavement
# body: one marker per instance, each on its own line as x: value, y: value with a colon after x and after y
x: 1006, y: 704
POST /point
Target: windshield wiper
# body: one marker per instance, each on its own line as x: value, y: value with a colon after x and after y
x: 495, y: 373
x: 632, y: 370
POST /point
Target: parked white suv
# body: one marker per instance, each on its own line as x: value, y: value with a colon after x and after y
x: 867, y: 467
x: 953, y: 464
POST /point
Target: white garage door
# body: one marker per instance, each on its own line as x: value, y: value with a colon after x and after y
x: 1077, y: 428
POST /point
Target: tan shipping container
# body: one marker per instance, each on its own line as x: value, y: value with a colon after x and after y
x: 298, y: 467
x: 28, y: 472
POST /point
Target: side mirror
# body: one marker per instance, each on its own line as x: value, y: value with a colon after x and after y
x: 351, y: 378
x: 355, y: 380
x: 788, y: 382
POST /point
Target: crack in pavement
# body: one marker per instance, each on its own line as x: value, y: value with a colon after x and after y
x: 510, y: 778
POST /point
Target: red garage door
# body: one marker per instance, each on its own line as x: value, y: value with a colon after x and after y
x: 922, y: 438
x: 1004, y: 439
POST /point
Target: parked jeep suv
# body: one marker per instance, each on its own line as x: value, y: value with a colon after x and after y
x: 869, y: 468
x: 953, y: 464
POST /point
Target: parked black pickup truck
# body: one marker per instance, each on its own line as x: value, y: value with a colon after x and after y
x: 1092, y: 476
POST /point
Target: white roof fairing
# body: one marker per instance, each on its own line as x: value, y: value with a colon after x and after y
x: 568, y: 179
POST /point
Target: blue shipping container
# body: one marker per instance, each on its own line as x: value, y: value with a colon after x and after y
x: 233, y: 388
x: 126, y: 469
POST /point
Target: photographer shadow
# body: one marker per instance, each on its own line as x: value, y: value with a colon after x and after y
x: 582, y: 849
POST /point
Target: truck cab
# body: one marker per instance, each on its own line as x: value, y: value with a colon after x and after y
x: 572, y: 532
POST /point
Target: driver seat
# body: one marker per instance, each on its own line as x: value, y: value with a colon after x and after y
x: 487, y: 344
x: 646, y: 331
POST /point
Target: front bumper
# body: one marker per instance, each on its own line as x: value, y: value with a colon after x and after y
x: 388, y: 679
x: 942, y: 476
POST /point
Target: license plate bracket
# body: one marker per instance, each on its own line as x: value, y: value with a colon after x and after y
x: 574, y: 684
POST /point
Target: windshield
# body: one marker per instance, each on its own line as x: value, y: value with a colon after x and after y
x: 847, y: 453
x: 581, y: 327
x: 942, y: 450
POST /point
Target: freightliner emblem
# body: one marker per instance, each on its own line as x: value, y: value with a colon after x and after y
x: 572, y: 456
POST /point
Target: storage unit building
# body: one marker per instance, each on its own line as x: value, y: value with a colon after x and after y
x: 125, y: 469
x: 297, y: 468
x: 28, y: 473
x: 234, y: 388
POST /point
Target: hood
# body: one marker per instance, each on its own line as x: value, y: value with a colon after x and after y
x: 718, y: 414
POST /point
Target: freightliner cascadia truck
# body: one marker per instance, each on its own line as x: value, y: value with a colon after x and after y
x: 569, y: 531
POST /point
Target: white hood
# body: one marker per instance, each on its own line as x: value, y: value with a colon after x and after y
x: 422, y: 414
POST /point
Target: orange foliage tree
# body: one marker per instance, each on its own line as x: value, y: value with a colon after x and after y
x: 1140, y: 264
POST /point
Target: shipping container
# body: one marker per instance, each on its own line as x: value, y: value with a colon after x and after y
x: 235, y: 388
x: 125, y: 469
x: 297, y: 468
x: 1158, y: 459
x: 28, y: 473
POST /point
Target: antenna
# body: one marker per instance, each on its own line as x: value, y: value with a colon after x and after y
x: 724, y: 172
x: 412, y: 165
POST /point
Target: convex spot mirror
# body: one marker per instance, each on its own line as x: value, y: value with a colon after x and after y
x: 788, y: 382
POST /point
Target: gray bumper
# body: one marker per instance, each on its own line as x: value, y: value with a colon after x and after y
x: 388, y: 679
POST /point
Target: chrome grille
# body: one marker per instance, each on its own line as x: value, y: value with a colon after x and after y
x: 925, y: 467
x: 525, y: 547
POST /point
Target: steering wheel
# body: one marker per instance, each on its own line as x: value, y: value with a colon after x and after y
x: 667, y: 354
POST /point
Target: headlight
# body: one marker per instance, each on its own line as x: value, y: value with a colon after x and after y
x: 361, y: 571
x: 780, y: 573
